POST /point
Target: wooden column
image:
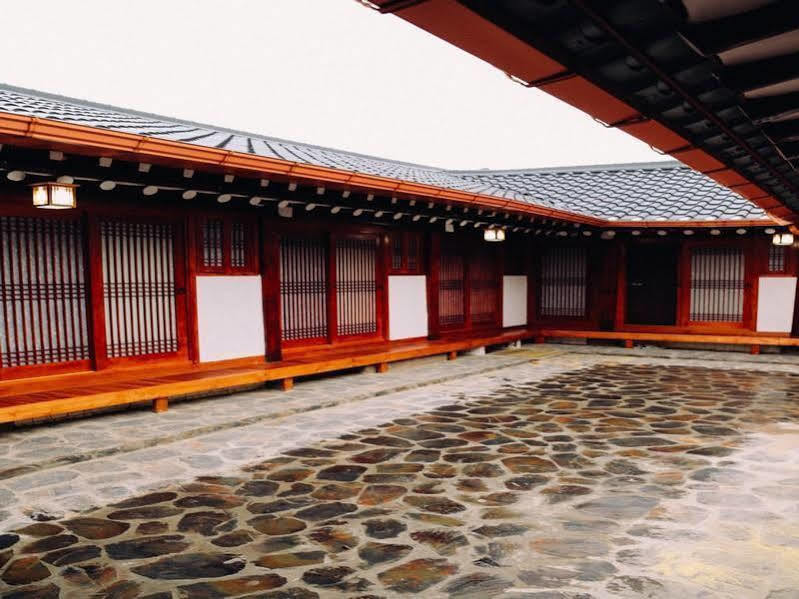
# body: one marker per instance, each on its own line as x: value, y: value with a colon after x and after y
x: 94, y: 271
x: 332, y: 298
x: 270, y: 284
x: 621, y: 285
x: 192, y: 318
x: 433, y: 279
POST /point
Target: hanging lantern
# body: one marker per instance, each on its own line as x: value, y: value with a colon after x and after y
x: 494, y: 235
x: 782, y: 239
x: 54, y: 196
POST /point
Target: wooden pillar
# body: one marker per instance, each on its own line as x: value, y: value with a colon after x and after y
x: 382, y: 367
x: 160, y: 404
x: 629, y: 344
x: 453, y: 355
x: 287, y: 384
x: 96, y: 308
x: 192, y: 318
x: 270, y: 282
x: 332, y: 298
x: 433, y: 280
x: 754, y: 350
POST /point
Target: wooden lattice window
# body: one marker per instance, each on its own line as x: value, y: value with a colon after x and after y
x: 777, y: 258
x: 356, y: 286
x: 717, y: 284
x: 303, y: 288
x: 451, y: 288
x: 227, y: 245
x: 406, y: 252
x: 139, y: 290
x: 43, y: 296
x: 564, y: 282
x: 483, y: 287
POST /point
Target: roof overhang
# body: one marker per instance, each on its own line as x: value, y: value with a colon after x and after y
x: 45, y: 133
x: 713, y: 84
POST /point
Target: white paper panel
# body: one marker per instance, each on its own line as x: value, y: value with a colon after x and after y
x: 514, y: 301
x: 775, y: 304
x: 407, y: 307
x: 230, y: 318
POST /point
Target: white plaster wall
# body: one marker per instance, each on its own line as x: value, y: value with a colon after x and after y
x: 775, y: 304
x: 230, y: 318
x: 407, y: 306
x: 514, y: 301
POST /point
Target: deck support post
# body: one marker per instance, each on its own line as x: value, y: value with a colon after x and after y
x: 754, y: 350
x: 452, y: 355
x: 287, y: 384
x: 539, y: 339
x: 160, y: 404
x: 382, y: 367
x: 629, y: 344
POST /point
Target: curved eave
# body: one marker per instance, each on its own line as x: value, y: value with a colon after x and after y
x: 25, y: 130
x: 460, y: 26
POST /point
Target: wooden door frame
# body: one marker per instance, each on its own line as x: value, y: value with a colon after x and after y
x: 185, y: 305
x: 752, y: 268
x: 620, y: 320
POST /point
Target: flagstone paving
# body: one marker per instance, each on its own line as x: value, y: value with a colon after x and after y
x: 575, y: 476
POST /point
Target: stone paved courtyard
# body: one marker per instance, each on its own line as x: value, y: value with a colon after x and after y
x: 558, y: 474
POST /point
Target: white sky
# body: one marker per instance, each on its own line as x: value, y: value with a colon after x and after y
x: 328, y: 72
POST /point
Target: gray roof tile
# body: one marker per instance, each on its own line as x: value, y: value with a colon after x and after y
x: 651, y: 191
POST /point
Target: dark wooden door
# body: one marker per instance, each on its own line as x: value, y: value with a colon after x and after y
x: 652, y: 284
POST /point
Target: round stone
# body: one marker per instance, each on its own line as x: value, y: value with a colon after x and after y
x: 96, y: 528
x: 271, y: 525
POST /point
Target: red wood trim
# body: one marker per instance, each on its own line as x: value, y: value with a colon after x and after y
x: 42, y: 370
x: 181, y: 290
x: 381, y: 291
x: 620, y: 316
x: 94, y: 271
x: 332, y: 297
x: 192, y: 316
x: 433, y: 282
x: 31, y: 131
x: 270, y: 284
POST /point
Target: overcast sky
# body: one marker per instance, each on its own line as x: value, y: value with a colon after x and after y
x: 328, y: 72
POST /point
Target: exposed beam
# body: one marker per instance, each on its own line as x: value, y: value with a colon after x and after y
x: 714, y: 37
x: 761, y: 73
x: 764, y: 109
x: 782, y: 130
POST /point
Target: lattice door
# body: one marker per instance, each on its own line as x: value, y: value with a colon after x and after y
x: 484, y: 287
x: 356, y: 286
x: 303, y: 289
x: 43, y: 296
x: 451, y: 288
x: 564, y: 282
x: 717, y: 285
x: 139, y: 288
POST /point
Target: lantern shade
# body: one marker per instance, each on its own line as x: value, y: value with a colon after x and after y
x: 782, y: 239
x: 54, y: 196
x: 494, y: 234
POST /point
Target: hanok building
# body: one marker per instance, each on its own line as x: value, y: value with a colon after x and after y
x: 189, y: 258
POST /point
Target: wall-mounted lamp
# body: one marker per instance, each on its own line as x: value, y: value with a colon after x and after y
x: 54, y: 196
x: 782, y: 239
x: 494, y: 235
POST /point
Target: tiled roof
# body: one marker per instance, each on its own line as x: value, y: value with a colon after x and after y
x: 650, y: 191
x: 656, y: 191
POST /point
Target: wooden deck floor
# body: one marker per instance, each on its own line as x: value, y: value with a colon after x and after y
x: 50, y: 396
